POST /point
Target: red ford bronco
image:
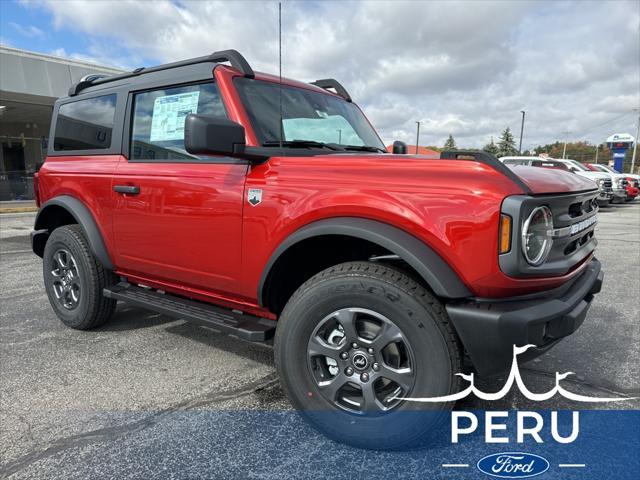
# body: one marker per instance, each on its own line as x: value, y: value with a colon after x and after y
x: 269, y: 209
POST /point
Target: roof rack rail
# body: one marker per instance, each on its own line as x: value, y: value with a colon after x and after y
x: 234, y: 57
x: 328, y: 83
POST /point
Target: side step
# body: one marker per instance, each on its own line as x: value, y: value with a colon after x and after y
x: 244, y: 326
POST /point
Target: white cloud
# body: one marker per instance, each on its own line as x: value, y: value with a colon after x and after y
x: 465, y: 68
x: 28, y: 31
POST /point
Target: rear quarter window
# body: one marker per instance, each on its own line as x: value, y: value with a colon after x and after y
x: 85, y: 124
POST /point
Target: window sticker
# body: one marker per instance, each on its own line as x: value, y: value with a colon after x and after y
x: 169, y: 112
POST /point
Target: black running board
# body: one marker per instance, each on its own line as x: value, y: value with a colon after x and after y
x: 238, y: 324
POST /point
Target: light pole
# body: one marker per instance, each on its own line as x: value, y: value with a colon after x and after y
x: 635, y: 143
x: 521, y: 132
x: 564, y: 150
x: 597, y: 150
x: 417, y: 136
x: 339, y: 136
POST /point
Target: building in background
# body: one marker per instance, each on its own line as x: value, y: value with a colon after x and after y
x: 411, y: 150
x: 29, y: 85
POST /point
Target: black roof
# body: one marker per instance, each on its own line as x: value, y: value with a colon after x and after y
x: 234, y: 57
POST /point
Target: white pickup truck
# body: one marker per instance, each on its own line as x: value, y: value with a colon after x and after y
x: 604, y: 180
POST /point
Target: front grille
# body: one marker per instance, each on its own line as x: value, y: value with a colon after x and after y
x: 576, y: 215
x: 608, y: 184
x: 577, y: 243
x: 582, y: 208
x: 574, y: 223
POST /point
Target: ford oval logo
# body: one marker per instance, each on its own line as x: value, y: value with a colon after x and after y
x: 513, y: 465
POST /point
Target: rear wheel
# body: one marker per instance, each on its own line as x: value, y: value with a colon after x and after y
x: 355, y: 340
x: 74, y: 280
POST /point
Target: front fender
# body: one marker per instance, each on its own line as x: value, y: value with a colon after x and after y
x: 431, y: 267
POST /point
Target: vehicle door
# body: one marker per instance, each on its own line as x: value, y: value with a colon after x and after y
x: 178, y: 217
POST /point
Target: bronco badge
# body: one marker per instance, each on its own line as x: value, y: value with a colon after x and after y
x: 254, y: 196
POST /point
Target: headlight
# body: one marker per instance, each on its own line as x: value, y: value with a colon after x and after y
x: 536, y: 236
x: 601, y: 181
x: 621, y: 182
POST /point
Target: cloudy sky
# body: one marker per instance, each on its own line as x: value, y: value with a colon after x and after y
x: 465, y: 68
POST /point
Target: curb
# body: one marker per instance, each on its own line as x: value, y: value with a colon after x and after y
x: 18, y: 209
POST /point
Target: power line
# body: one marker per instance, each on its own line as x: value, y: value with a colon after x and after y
x: 589, y: 130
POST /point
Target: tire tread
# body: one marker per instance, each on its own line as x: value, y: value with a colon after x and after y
x: 100, y: 308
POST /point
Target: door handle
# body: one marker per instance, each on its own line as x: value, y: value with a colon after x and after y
x: 128, y: 189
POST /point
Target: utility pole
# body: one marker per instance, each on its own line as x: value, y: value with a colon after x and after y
x: 417, y: 136
x: 339, y: 136
x: 635, y: 143
x: 564, y: 150
x: 521, y: 132
x: 597, y: 150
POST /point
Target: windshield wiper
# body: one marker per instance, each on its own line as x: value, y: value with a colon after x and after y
x: 363, y: 148
x: 301, y: 144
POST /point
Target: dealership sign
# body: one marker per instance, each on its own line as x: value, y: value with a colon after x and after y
x: 620, y: 137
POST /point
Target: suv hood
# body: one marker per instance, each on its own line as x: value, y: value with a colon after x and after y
x: 547, y: 180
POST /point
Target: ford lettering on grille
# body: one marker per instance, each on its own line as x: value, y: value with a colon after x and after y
x: 513, y: 465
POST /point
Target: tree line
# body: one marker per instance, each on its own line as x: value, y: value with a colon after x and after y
x: 506, y: 146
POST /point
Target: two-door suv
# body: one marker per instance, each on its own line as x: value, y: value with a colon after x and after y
x: 269, y: 209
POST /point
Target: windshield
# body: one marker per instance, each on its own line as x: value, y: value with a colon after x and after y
x: 609, y: 169
x: 578, y: 165
x: 307, y: 116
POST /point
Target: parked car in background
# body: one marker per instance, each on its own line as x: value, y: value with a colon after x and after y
x: 633, y: 181
x: 632, y: 190
x: 618, y: 181
x: 534, y: 162
x: 603, y: 180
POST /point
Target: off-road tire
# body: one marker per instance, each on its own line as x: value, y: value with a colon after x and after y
x: 92, y: 309
x: 422, y: 319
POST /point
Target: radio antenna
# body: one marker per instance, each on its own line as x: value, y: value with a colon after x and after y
x: 280, y: 68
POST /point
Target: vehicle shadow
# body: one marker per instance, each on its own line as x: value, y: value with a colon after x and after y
x: 133, y: 318
x: 257, y: 352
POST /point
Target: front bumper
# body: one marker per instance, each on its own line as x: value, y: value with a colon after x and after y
x: 619, y: 194
x: 604, y: 198
x: 489, y: 328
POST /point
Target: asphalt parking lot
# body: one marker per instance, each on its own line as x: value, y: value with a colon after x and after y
x: 148, y: 396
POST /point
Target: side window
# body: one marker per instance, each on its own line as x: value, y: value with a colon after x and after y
x: 157, y: 131
x: 85, y: 124
x: 513, y: 162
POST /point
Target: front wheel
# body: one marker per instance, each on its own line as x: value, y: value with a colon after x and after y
x: 74, y: 280
x: 353, y: 342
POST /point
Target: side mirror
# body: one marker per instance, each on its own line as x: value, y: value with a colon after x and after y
x: 399, y: 148
x: 213, y: 136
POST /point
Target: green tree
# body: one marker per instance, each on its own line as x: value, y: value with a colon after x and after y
x: 581, y: 151
x: 491, y: 148
x: 450, y: 144
x: 507, y: 144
